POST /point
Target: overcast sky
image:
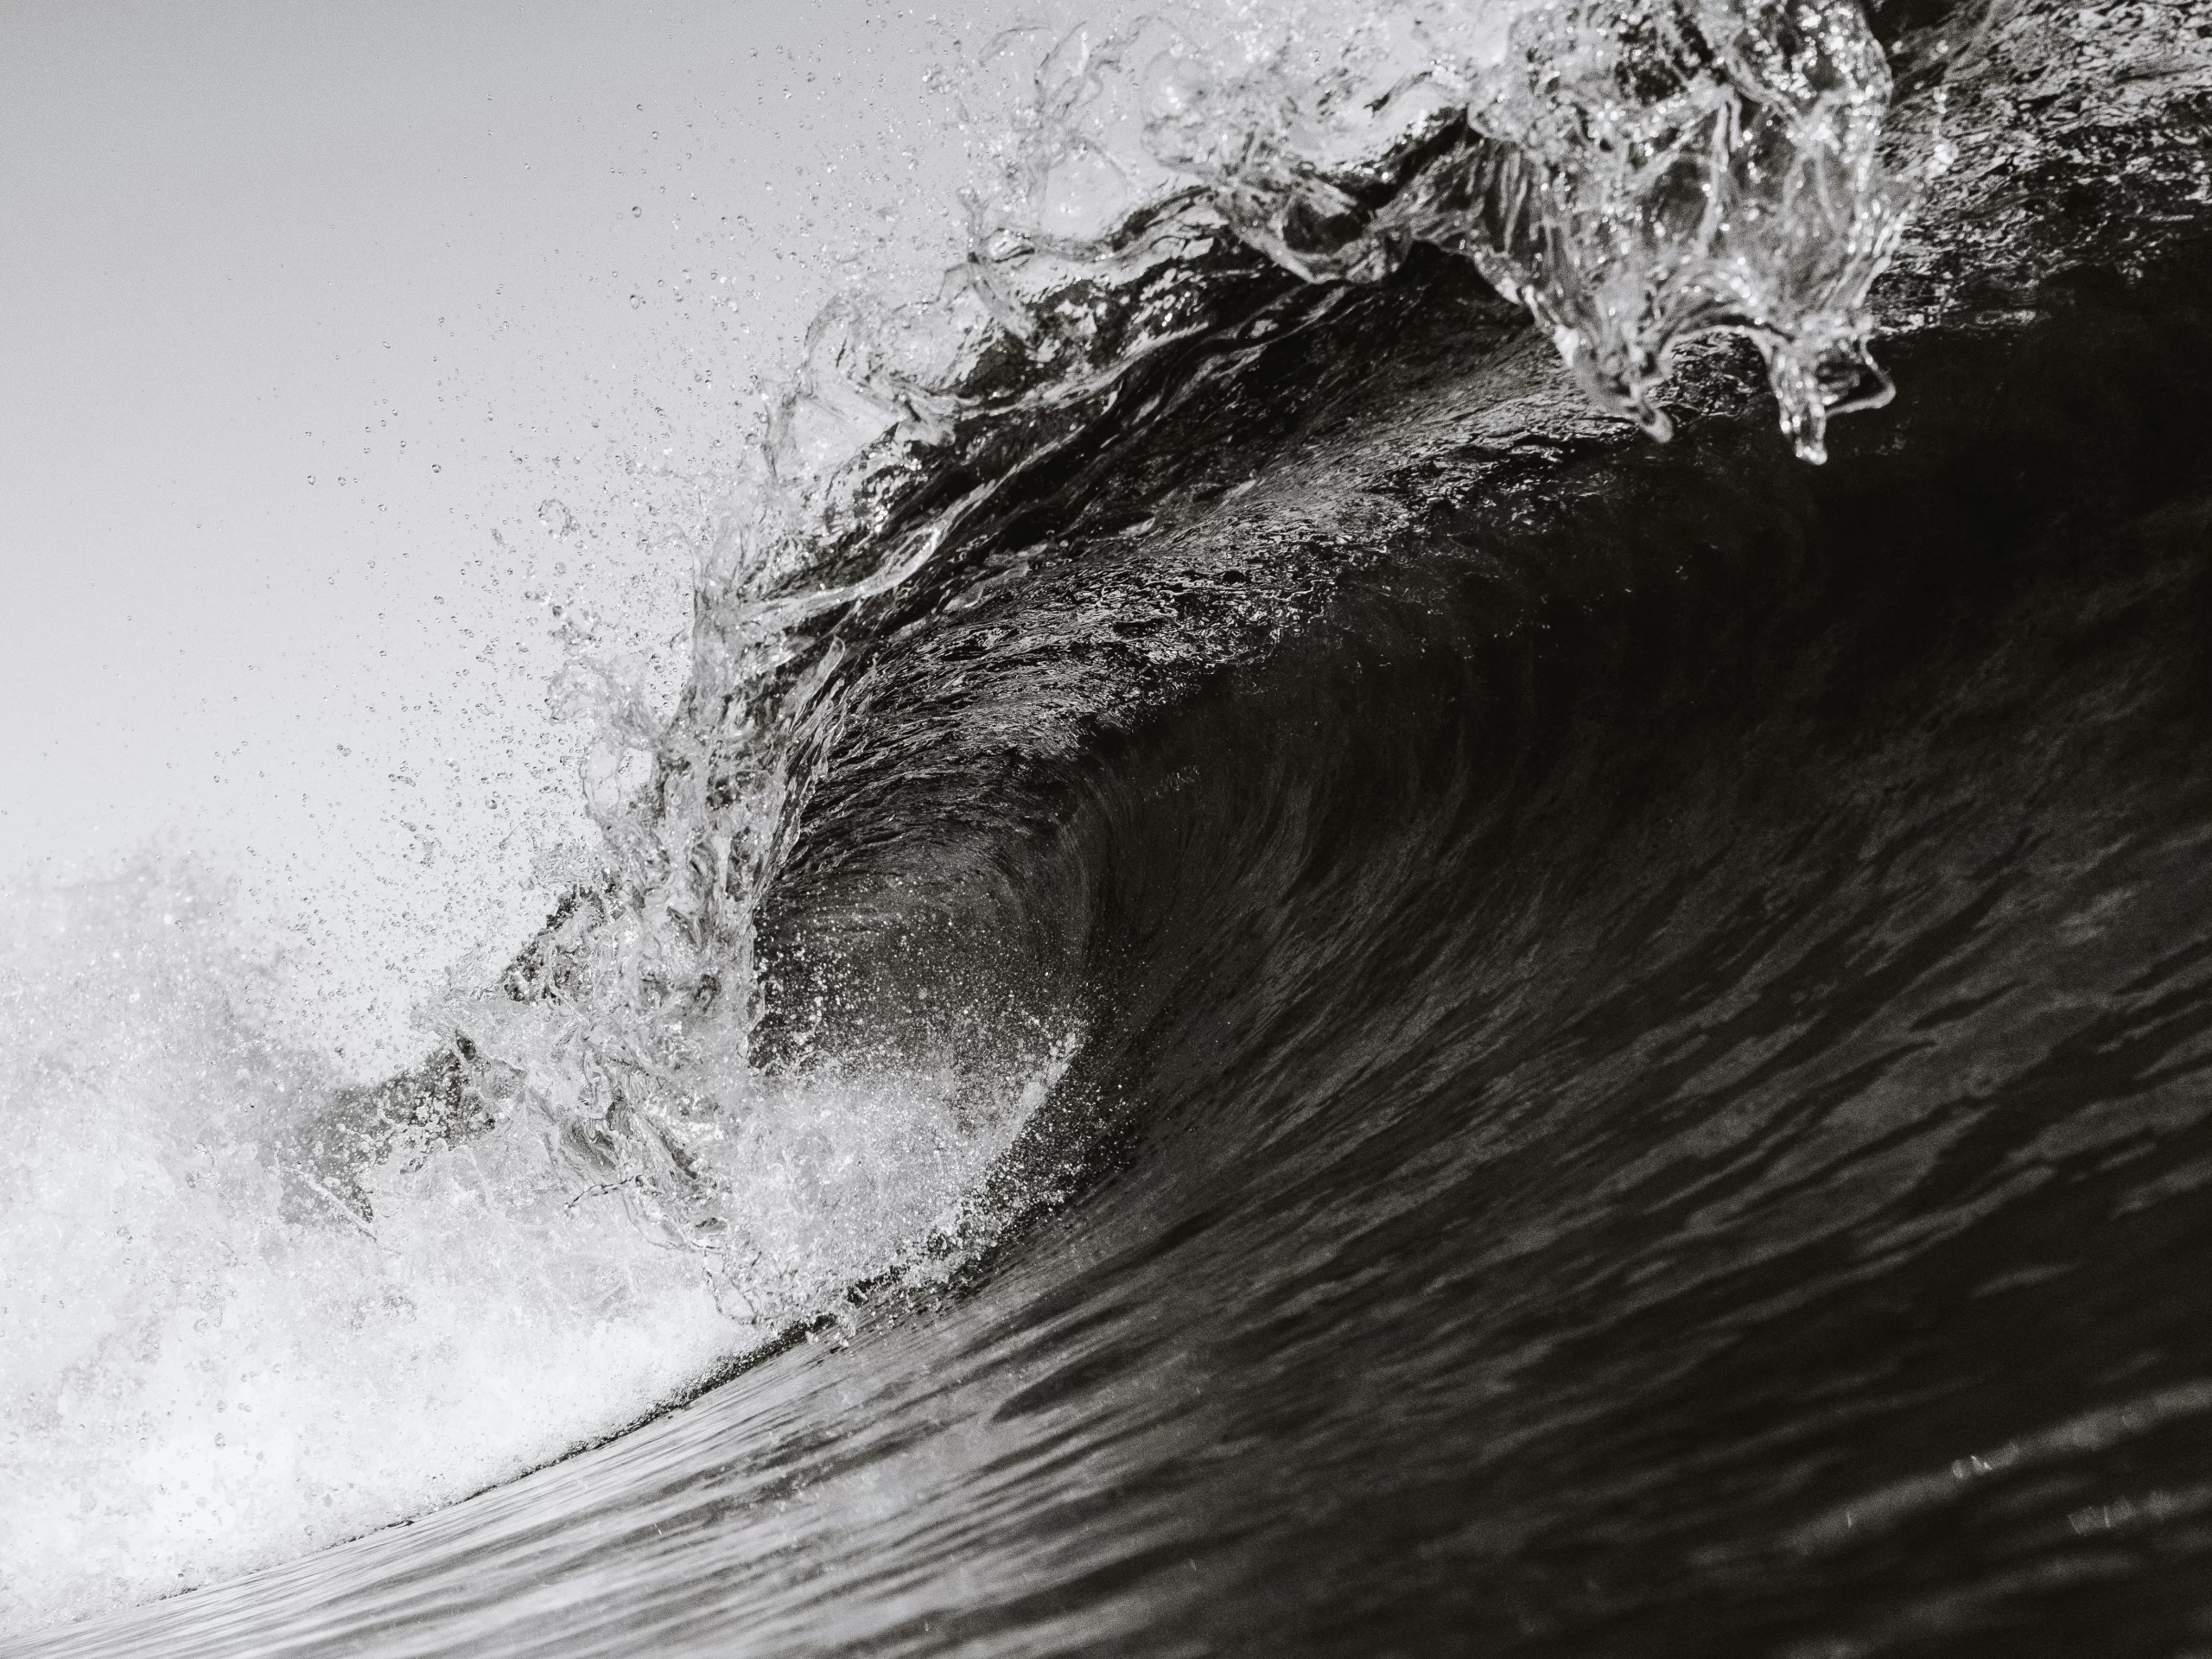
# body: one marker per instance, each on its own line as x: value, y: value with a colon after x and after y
x: 308, y: 307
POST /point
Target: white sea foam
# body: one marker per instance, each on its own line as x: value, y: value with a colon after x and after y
x: 208, y: 1362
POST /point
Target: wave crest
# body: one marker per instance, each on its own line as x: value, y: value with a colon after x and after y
x: 1634, y: 173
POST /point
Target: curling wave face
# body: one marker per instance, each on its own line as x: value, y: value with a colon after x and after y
x: 1634, y: 175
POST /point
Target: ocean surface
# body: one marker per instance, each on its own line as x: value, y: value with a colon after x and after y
x: 1278, y: 987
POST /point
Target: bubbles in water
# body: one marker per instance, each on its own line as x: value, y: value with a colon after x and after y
x: 288, y: 1311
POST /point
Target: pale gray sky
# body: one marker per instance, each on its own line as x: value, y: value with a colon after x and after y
x: 303, y: 303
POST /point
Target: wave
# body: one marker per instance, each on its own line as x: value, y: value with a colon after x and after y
x: 1215, y: 717
x: 1644, y: 1093
x: 1632, y: 176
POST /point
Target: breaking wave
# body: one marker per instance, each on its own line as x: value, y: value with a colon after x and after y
x: 1364, y: 1009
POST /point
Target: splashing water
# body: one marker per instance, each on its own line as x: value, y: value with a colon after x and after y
x: 210, y: 1360
x: 213, y: 1360
x: 1635, y: 174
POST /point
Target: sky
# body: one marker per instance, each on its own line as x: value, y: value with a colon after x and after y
x: 351, y: 351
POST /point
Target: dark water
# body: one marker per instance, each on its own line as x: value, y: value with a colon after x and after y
x: 1647, y: 1084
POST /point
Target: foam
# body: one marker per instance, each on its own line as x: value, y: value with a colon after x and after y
x: 211, y: 1364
